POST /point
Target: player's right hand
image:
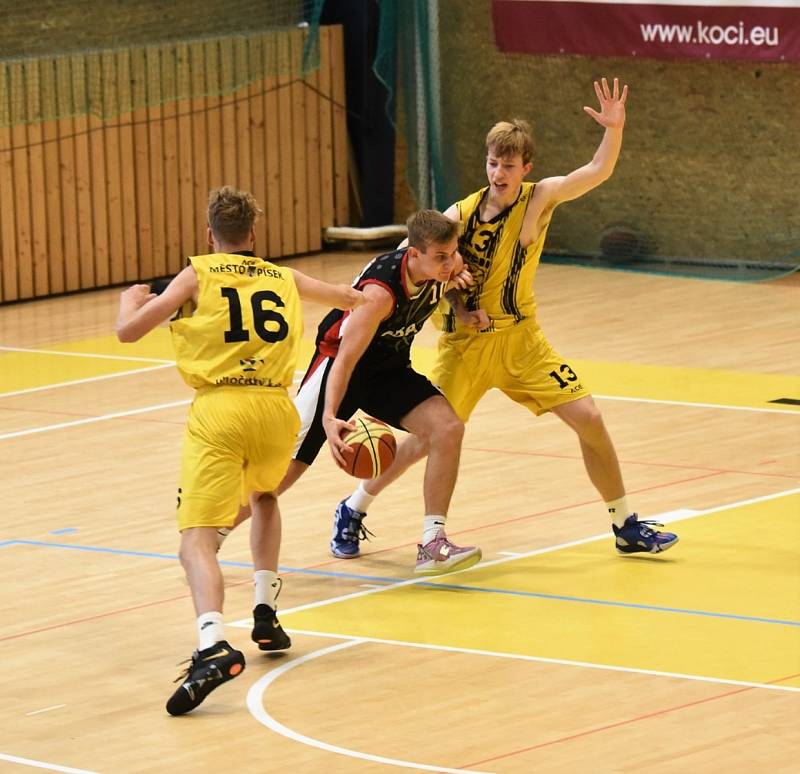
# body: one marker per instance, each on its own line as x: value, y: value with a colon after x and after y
x: 136, y: 296
x: 335, y: 430
x: 478, y: 319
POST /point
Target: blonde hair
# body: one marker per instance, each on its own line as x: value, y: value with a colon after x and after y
x: 430, y: 227
x: 232, y: 213
x: 511, y: 138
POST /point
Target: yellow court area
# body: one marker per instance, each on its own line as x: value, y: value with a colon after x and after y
x: 553, y: 654
x: 89, y: 358
x: 104, y: 355
x: 731, y: 612
x: 670, y: 383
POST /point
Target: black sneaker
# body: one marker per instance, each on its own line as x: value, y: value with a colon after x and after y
x: 208, y: 669
x: 267, y: 630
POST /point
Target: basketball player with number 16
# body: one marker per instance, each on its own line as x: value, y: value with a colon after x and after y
x: 239, y: 352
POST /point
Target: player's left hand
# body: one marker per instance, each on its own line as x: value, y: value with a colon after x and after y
x: 612, y: 104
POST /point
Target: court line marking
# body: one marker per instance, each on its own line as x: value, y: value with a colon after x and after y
x: 697, y: 405
x: 379, y: 582
x: 358, y: 639
x: 619, y: 724
x: 96, y: 355
x: 43, y: 765
x: 536, y: 552
x: 255, y: 695
x: 255, y: 705
x: 88, y: 379
x: 613, y: 603
x: 46, y: 709
x: 90, y: 420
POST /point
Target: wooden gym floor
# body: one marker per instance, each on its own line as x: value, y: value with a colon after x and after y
x: 553, y: 654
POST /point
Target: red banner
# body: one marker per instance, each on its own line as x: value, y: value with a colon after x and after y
x: 768, y: 31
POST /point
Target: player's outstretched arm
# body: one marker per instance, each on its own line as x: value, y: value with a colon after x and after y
x: 611, y: 116
x: 140, y: 310
x: 337, y: 296
x: 361, y: 327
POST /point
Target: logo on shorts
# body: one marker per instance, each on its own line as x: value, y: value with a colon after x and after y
x: 251, y: 363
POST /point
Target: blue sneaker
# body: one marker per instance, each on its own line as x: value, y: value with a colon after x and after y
x: 636, y: 536
x: 348, y: 531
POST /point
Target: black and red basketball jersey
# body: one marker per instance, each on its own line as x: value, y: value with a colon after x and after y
x: 391, y: 345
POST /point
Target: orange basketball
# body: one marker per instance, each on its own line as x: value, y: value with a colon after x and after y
x: 373, y: 445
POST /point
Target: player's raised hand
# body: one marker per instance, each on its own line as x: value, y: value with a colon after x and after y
x: 612, y: 104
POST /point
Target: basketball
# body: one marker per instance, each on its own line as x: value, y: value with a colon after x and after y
x: 373, y: 445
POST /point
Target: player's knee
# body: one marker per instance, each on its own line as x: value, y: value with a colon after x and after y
x: 590, y: 422
x: 451, y: 428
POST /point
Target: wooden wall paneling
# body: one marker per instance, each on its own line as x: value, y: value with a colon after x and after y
x: 175, y: 257
x: 141, y: 161
x: 111, y: 136
x: 185, y: 154
x: 8, y: 226
x: 22, y: 183
x: 258, y: 153
x: 38, y: 202
x: 214, y: 114
x: 155, y: 140
x: 52, y: 176
x: 328, y: 212
x: 228, y: 124
x: 340, y: 150
x: 312, y: 153
x: 272, y: 204
x: 244, y: 172
x: 286, y: 134
x: 83, y: 173
x: 200, y: 147
x: 66, y: 160
x: 127, y: 166
x: 299, y: 158
x: 98, y: 173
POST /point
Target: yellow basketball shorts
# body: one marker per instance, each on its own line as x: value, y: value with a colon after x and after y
x: 238, y: 440
x: 519, y: 361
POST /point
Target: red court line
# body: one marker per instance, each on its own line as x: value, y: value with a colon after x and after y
x: 339, y: 561
x: 536, y: 515
x: 624, y: 462
x: 622, y: 723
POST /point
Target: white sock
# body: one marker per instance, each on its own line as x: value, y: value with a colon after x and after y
x: 360, y: 500
x: 618, y: 510
x: 210, y: 629
x: 267, y: 584
x: 431, y: 525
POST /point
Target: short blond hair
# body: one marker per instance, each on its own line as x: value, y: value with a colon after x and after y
x: 511, y: 138
x: 427, y: 227
x: 232, y: 213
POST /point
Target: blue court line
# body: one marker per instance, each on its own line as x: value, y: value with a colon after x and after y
x: 174, y: 558
x: 64, y: 531
x: 426, y: 584
x: 610, y: 603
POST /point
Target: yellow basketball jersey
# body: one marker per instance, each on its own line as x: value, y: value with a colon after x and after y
x: 246, y: 328
x: 503, y: 270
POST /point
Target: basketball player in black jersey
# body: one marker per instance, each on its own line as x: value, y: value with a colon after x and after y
x: 363, y: 361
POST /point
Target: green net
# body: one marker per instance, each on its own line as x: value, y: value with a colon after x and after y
x: 107, y: 81
x: 705, y: 185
